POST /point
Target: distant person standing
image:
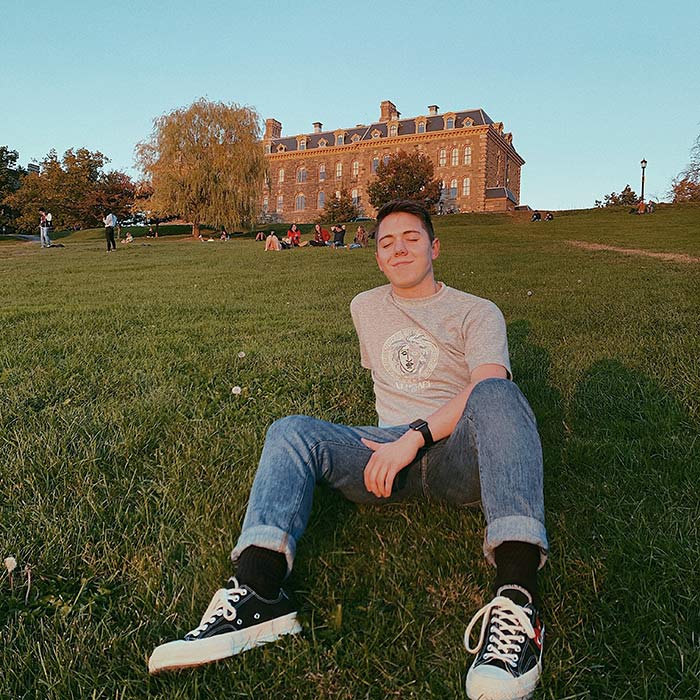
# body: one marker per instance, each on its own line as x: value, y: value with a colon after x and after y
x: 44, y: 225
x: 110, y: 221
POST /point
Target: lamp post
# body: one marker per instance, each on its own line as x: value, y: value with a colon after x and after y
x: 644, y: 165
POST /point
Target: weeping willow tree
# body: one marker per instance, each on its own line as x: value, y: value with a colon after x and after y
x: 205, y: 164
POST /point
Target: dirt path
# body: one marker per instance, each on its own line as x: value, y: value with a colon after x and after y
x: 669, y: 257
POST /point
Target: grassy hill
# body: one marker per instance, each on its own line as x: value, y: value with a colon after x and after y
x: 127, y: 461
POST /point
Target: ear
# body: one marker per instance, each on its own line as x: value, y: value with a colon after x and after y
x: 435, y: 248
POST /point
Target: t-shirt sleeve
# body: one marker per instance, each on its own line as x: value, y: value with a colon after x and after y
x: 356, y: 311
x: 486, y: 340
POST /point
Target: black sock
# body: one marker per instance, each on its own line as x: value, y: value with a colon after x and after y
x: 263, y: 570
x: 517, y: 563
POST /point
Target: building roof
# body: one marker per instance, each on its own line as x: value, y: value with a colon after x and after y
x: 500, y: 193
x: 406, y: 127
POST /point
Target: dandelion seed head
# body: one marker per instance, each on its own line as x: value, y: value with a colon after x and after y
x: 236, y: 390
x: 10, y: 564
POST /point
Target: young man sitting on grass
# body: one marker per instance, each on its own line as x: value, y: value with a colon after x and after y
x: 452, y: 427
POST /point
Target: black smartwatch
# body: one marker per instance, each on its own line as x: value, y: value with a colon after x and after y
x: 422, y: 427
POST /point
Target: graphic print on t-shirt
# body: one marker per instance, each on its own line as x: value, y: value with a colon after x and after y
x: 410, y: 356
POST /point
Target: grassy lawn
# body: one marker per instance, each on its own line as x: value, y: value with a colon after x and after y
x: 127, y: 460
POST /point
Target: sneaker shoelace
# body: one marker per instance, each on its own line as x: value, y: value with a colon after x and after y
x: 221, y: 605
x: 507, y: 631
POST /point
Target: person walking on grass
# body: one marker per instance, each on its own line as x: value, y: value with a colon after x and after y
x: 45, y: 224
x: 453, y: 427
x: 110, y: 222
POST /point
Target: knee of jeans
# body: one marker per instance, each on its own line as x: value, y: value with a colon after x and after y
x: 289, y: 425
x: 493, y: 390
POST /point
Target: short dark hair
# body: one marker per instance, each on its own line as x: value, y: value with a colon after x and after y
x: 406, y: 206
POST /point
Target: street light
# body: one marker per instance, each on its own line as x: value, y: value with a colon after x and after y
x: 644, y: 165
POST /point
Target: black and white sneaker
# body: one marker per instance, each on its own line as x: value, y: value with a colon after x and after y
x: 236, y: 620
x: 508, y: 659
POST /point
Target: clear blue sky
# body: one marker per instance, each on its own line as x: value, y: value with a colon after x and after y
x: 588, y: 89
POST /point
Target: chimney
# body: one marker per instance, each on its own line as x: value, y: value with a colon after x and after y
x: 387, y: 111
x: 318, y: 127
x: 433, y: 110
x: 273, y: 129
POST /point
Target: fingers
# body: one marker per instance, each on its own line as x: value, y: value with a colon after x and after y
x: 371, y: 443
x: 378, y: 477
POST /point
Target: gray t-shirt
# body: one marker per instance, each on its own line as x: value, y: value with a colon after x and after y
x: 422, y: 351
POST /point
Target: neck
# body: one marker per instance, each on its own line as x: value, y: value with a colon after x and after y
x: 425, y: 289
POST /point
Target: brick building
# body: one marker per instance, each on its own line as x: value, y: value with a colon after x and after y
x: 472, y: 155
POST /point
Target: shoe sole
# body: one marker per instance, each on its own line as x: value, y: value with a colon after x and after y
x: 187, y: 654
x: 494, y: 688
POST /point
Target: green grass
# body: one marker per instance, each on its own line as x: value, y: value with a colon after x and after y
x: 127, y: 460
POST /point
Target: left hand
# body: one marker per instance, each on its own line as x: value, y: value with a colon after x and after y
x: 388, y: 459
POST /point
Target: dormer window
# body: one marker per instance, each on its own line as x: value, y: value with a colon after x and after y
x: 421, y: 127
x: 468, y: 121
x: 450, y: 123
x: 281, y: 148
x: 340, y: 139
x: 376, y: 134
x: 322, y: 143
x: 355, y: 138
x: 394, y: 130
x: 302, y: 144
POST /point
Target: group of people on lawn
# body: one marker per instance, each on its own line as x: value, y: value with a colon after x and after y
x: 335, y: 238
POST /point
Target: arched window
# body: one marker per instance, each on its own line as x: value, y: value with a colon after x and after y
x: 375, y: 164
x: 301, y: 175
x: 455, y: 156
x: 266, y: 204
x: 355, y: 168
x: 280, y: 179
x: 385, y: 160
x: 450, y: 123
x: 321, y: 200
x: 321, y: 172
x: 467, y: 155
x: 302, y: 145
x: 340, y: 140
x: 355, y: 197
x: 280, y: 204
x: 421, y: 127
x: 442, y: 158
x: 466, y: 187
x: 453, y: 188
x: 338, y: 171
x: 300, y: 202
x: 393, y: 130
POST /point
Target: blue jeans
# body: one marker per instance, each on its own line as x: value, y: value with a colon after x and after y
x: 492, y: 457
x: 44, y: 235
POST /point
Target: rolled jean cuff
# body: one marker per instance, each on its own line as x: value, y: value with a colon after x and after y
x: 267, y: 537
x: 515, y: 528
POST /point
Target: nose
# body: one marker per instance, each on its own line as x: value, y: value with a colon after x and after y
x: 400, y: 246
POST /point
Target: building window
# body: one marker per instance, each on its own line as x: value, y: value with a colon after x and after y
x: 338, y: 171
x: 453, y: 189
x: 385, y: 161
x: 266, y: 204
x: 393, y: 130
x: 355, y: 197
x: 355, y: 138
x: 375, y: 164
x: 450, y: 123
x: 302, y: 145
x: 301, y: 175
x: 340, y: 140
x: 355, y: 168
x: 280, y: 178
x: 442, y: 158
x: 466, y: 187
x: 322, y: 143
x: 455, y: 156
x: 300, y: 202
x: 268, y: 148
x: 467, y: 155
x: 321, y: 200
x: 321, y: 172
x: 421, y: 127
x: 376, y: 134
x: 280, y: 204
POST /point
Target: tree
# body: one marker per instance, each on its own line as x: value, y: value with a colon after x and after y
x: 74, y: 189
x: 686, y: 185
x: 10, y: 181
x: 627, y: 197
x: 405, y: 176
x: 206, y: 164
x: 340, y: 208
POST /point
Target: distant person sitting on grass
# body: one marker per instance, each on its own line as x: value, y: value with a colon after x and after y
x: 294, y: 235
x: 549, y: 216
x: 259, y: 236
x: 452, y: 428
x: 536, y: 217
x: 129, y: 237
x: 641, y: 207
x: 272, y: 242
x: 360, y: 240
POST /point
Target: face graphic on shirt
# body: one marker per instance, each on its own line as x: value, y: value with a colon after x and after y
x: 410, y: 355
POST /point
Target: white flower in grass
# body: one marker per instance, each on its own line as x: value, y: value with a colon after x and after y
x: 529, y: 292
x: 241, y: 355
x: 236, y: 390
x: 10, y: 564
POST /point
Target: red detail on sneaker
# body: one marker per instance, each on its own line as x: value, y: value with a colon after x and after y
x: 538, y: 634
